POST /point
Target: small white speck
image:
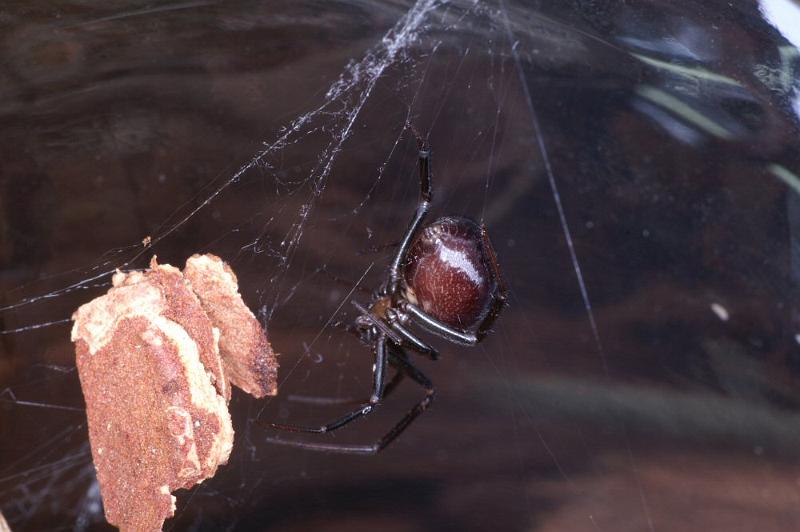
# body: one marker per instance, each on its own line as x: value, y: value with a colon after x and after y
x: 720, y: 311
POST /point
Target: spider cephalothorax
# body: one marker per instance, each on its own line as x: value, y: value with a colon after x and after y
x: 444, y: 278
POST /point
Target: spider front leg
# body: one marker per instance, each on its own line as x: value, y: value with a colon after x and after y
x: 416, y: 222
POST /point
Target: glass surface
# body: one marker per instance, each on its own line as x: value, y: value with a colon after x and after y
x: 636, y: 166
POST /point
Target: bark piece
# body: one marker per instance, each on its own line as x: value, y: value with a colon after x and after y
x: 155, y: 391
x: 247, y: 356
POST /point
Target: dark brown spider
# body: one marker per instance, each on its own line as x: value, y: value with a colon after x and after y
x: 444, y: 278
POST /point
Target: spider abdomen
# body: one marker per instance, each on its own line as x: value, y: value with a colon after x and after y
x: 448, y: 274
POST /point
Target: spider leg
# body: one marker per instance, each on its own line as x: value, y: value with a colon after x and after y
x: 439, y: 328
x: 399, y: 359
x: 411, y: 341
x: 377, y: 323
x: 379, y: 378
x: 419, y: 215
x: 417, y: 376
x: 502, y: 292
x: 396, y: 379
x: 391, y: 386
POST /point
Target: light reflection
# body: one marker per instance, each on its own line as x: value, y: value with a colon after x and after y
x: 685, y: 111
x: 784, y: 15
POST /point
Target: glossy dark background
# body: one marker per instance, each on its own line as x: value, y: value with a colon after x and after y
x: 636, y: 164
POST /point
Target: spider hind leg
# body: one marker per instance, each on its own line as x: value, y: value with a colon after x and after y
x: 405, y: 368
x: 378, y: 381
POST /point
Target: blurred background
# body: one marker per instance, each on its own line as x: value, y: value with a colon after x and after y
x: 636, y: 164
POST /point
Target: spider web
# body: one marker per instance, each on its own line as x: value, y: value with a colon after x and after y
x: 269, y: 240
x: 507, y: 97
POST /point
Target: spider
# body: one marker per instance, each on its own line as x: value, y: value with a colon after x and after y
x: 444, y: 278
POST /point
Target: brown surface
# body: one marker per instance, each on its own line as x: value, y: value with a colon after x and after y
x: 678, y: 492
x: 156, y: 422
x: 184, y: 309
x: 249, y: 360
